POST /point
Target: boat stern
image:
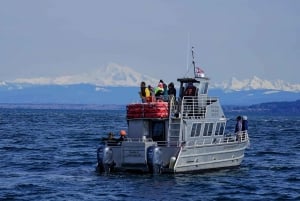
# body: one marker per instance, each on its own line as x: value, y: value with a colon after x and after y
x: 134, y: 156
x: 137, y: 156
x: 125, y: 156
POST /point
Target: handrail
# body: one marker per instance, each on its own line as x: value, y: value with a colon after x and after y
x: 196, y: 106
x: 139, y: 140
x: 242, y: 136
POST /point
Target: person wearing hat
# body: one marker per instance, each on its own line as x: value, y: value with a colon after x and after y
x: 122, y: 135
x: 109, y: 139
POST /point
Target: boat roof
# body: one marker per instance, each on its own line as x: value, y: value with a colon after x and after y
x: 192, y: 80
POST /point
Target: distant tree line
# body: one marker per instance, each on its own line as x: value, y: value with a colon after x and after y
x: 284, y: 107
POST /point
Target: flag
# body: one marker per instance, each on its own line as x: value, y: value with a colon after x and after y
x: 199, y: 72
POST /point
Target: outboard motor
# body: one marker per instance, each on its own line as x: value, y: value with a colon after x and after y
x: 150, y: 158
x: 154, y: 159
x: 108, y: 161
x: 157, y: 160
x: 105, y: 159
x: 100, y: 166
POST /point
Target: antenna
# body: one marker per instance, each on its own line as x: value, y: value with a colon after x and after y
x: 193, y: 58
x: 188, y: 52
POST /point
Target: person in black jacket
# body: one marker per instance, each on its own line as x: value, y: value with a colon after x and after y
x: 238, y: 125
x: 171, y: 89
x: 244, y: 123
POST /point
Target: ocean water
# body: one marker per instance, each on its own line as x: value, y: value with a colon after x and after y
x: 51, y: 155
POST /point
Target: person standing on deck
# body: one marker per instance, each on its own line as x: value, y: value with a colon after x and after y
x: 238, y: 128
x: 244, y: 123
x: 144, y: 93
x: 159, y: 90
x: 166, y: 96
x: 238, y: 125
x: 151, y: 89
x: 171, y: 90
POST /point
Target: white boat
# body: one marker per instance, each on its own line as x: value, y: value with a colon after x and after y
x: 181, y: 135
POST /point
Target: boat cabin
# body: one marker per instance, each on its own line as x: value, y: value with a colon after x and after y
x: 189, y: 117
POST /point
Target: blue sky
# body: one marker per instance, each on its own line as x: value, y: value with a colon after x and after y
x: 234, y: 38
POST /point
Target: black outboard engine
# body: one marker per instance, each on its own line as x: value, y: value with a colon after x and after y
x: 100, y: 166
x: 150, y: 158
x: 154, y: 159
x: 105, y: 159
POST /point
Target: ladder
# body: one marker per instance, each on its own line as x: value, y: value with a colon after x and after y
x: 174, y: 124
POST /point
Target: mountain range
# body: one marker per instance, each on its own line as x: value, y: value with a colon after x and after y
x: 115, y: 84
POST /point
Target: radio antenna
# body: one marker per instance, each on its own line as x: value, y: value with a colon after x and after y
x: 188, y: 53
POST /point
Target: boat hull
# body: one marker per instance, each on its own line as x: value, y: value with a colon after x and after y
x: 195, y: 158
x: 148, y: 157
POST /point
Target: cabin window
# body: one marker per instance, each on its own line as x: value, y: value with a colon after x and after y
x: 220, y: 128
x: 196, y: 129
x: 208, y: 129
x: 158, y: 131
x: 203, y: 88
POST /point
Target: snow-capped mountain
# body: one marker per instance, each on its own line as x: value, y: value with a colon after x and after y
x: 108, y: 84
x: 117, y: 75
x: 111, y: 75
x: 256, y: 83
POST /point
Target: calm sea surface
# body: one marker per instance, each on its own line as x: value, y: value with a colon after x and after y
x: 51, y: 155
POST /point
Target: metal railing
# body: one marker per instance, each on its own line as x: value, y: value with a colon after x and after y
x: 234, y: 138
x: 242, y: 136
x: 192, y: 106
